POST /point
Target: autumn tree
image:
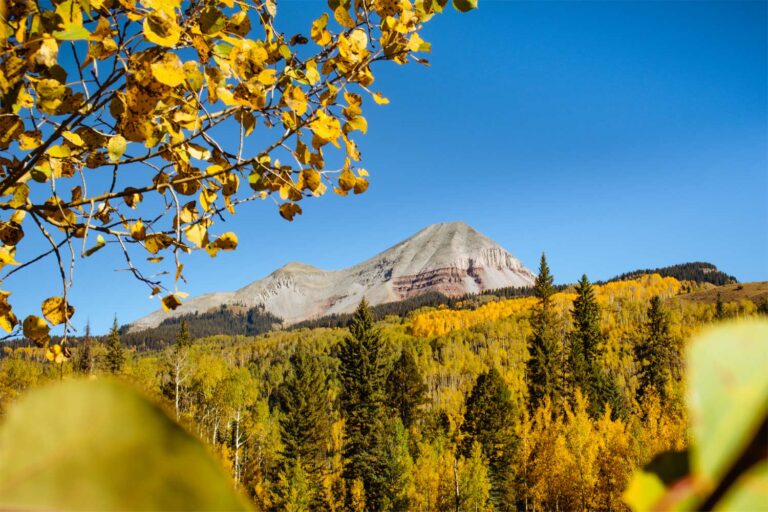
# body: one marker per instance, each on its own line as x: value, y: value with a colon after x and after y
x: 652, y: 352
x: 362, y: 373
x: 544, y: 372
x: 115, y: 358
x: 405, y: 388
x: 177, y: 370
x: 489, y: 420
x: 130, y: 125
x: 305, y: 422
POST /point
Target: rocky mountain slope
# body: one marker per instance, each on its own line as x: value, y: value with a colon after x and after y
x: 450, y: 258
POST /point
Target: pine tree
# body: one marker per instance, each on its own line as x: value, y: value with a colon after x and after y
x: 115, y: 358
x: 306, y: 419
x: 586, y: 372
x: 86, y: 359
x: 362, y: 378
x: 719, y: 308
x: 652, y: 352
x: 544, y: 366
x: 405, y: 389
x: 489, y: 420
x: 183, y: 339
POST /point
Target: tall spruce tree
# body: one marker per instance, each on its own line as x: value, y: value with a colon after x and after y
x: 653, y: 351
x: 719, y: 308
x: 405, y: 389
x: 586, y: 372
x: 545, y: 368
x: 362, y: 377
x: 115, y: 357
x: 305, y: 421
x: 489, y: 420
x: 85, y: 357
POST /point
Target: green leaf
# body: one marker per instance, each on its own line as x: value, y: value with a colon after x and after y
x: 750, y: 492
x: 465, y: 5
x: 727, y: 395
x: 101, y: 445
x: 98, y: 245
x: 72, y: 33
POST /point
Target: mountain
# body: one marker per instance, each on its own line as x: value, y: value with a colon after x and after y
x: 450, y: 258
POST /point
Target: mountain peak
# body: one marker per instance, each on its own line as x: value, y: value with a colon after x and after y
x: 451, y: 258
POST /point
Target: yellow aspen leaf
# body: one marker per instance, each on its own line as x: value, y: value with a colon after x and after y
x: 359, y: 39
x: 138, y: 230
x: 318, y: 32
x: 160, y: 28
x: 198, y: 152
x: 59, y: 152
x: 296, y: 100
x: 170, y: 302
x: 30, y: 140
x: 361, y: 185
x: 37, y: 330
x: 320, y: 190
x: 197, y: 234
x: 311, y: 179
x: 207, y: 198
x: 116, y: 147
x: 132, y: 198
x: 57, y: 354
x: 11, y: 232
x: 326, y: 128
x: 267, y: 77
x: 341, y: 15
x: 7, y: 318
x: 289, y: 210
x: 169, y: 70
x: 157, y: 242
x: 48, y: 52
x: 8, y: 256
x: 380, y: 99
x: 347, y: 180
x: 285, y: 190
x: 10, y: 127
x: 56, y: 310
x: 311, y: 73
x: 230, y: 184
x: 358, y: 123
x: 226, y: 242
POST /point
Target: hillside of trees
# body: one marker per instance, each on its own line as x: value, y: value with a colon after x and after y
x: 545, y: 402
x: 698, y: 272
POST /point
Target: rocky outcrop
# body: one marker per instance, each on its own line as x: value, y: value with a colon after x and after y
x: 450, y: 258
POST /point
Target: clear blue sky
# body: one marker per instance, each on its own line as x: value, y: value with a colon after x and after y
x: 612, y: 135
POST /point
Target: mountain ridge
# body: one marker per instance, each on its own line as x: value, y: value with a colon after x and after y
x: 450, y: 258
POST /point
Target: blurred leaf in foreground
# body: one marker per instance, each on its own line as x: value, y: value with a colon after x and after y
x: 728, y: 409
x: 101, y: 445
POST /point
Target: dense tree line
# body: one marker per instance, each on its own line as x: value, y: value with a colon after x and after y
x: 697, y: 271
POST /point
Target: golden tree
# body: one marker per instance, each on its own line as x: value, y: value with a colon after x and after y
x: 142, y: 92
